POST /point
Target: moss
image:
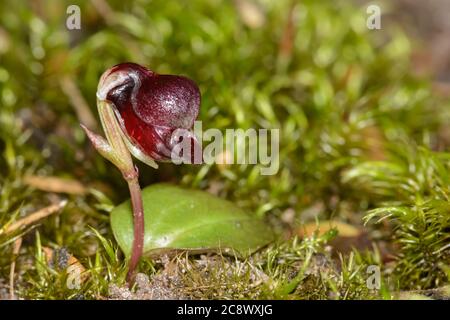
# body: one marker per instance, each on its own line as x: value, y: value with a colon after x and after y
x: 360, y: 137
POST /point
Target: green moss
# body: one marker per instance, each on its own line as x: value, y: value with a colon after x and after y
x: 412, y: 193
x: 356, y: 134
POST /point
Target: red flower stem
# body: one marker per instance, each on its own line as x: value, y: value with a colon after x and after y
x: 138, y: 218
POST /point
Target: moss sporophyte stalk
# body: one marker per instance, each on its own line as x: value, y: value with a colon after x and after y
x: 139, y: 110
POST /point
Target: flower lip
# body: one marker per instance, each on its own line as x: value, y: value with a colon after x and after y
x: 170, y: 101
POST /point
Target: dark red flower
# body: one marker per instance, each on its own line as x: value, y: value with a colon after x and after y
x: 150, y: 107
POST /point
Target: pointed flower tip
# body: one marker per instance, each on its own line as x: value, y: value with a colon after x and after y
x: 100, y: 144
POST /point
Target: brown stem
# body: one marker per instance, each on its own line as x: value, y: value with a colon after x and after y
x: 138, y: 217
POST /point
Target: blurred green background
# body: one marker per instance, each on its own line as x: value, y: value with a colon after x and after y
x: 360, y: 130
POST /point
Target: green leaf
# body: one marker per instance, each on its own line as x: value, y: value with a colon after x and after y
x: 180, y: 219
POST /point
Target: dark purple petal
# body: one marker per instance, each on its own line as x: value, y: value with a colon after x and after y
x: 150, y: 106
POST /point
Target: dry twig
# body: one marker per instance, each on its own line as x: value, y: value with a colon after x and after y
x: 32, y: 218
